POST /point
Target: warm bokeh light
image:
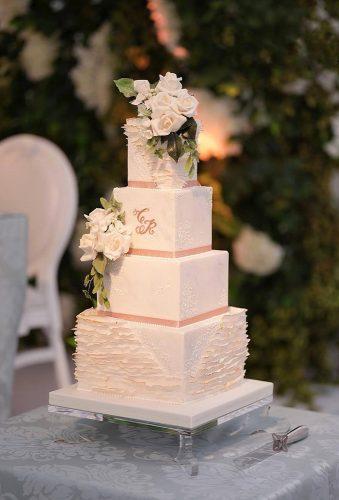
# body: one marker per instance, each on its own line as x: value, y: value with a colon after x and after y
x: 221, y: 123
x: 167, y: 25
x: 211, y: 145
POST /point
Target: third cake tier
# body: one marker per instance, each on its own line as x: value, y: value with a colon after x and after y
x: 169, y: 291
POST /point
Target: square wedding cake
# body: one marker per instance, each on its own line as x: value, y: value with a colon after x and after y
x: 162, y: 328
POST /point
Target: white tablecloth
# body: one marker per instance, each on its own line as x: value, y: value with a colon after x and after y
x: 120, y: 462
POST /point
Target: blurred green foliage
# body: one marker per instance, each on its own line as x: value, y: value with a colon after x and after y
x: 279, y: 184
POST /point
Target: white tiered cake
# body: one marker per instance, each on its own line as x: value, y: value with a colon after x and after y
x: 163, y: 329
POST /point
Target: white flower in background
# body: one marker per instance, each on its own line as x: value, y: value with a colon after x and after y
x: 185, y: 103
x: 93, y: 74
x: 88, y: 243
x: 297, y: 87
x: 221, y: 121
x: 327, y: 79
x: 167, y: 123
x: 143, y: 89
x: 9, y: 9
x: 169, y: 83
x: 99, y: 220
x: 138, y: 130
x: 38, y: 54
x: 332, y: 147
x: 254, y: 252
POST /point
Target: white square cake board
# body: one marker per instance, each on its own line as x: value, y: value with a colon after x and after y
x: 188, y: 415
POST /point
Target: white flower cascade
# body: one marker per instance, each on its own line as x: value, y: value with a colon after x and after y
x: 163, y: 109
x: 107, y: 235
x: 107, y: 240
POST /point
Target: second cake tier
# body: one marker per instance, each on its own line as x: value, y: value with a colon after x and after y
x: 168, y: 222
x: 166, y: 291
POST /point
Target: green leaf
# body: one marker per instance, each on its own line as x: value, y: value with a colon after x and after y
x: 174, y: 146
x: 104, y: 203
x: 185, y: 126
x: 188, y: 165
x: 98, y: 281
x: 122, y: 217
x: 99, y: 264
x: 126, y: 86
x: 87, y: 280
x: 89, y: 297
x: 192, y: 131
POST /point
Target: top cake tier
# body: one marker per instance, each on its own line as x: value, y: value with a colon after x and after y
x: 147, y: 170
x: 162, y: 138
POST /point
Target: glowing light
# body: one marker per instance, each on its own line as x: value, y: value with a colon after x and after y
x: 167, y: 25
x: 220, y: 122
x: 212, y: 146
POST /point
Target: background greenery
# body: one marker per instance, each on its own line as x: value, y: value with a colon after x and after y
x: 280, y: 184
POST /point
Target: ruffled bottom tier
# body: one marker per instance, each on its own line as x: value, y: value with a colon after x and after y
x: 138, y: 360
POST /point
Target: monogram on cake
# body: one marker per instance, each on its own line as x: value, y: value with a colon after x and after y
x: 161, y: 328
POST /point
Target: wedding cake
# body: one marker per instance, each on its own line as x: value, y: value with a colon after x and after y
x: 162, y: 328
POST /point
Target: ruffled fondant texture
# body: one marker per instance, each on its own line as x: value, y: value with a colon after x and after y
x: 127, y: 359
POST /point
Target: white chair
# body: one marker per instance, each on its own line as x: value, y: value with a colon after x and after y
x: 37, y: 179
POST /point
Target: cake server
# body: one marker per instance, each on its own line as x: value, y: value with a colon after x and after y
x: 280, y: 442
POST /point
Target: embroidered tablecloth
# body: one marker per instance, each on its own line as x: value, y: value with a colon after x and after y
x: 121, y: 462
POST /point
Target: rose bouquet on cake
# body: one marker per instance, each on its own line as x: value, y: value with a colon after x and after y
x: 107, y: 240
x: 165, y: 121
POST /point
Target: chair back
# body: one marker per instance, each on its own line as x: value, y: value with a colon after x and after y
x: 36, y: 179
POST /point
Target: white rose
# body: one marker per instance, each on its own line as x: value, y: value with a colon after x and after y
x: 167, y: 123
x: 138, y: 129
x: 185, y: 103
x: 143, y: 90
x: 160, y: 104
x: 121, y: 228
x: 88, y: 245
x: 142, y: 86
x: 255, y: 252
x: 114, y: 244
x: 99, y: 220
x: 169, y: 83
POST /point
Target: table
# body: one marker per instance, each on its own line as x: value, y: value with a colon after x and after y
x: 120, y: 462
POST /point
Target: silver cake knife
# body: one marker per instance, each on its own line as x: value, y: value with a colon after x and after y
x: 280, y: 442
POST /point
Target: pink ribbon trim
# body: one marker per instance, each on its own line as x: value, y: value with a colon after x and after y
x: 165, y: 322
x: 153, y: 185
x: 165, y: 253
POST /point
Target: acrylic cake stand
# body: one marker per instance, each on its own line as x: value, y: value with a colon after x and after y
x: 185, y: 419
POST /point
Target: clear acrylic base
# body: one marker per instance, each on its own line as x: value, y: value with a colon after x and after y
x: 235, y: 422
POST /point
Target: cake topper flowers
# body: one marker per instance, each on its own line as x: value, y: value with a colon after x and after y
x: 108, y: 239
x: 165, y: 119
